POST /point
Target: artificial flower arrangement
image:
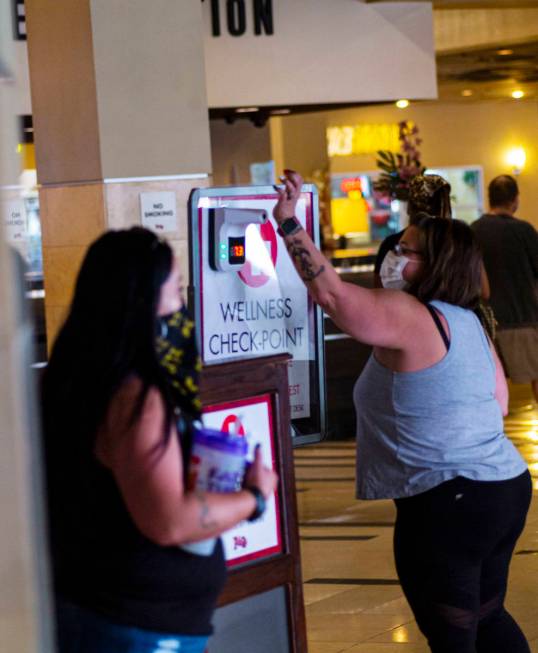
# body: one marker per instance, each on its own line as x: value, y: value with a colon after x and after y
x: 397, y: 170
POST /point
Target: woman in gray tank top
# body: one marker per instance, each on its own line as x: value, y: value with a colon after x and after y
x: 430, y: 435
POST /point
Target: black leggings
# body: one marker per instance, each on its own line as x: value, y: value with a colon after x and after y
x: 453, y: 546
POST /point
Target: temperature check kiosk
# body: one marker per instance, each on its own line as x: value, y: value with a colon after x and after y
x: 261, y: 341
x: 247, y: 298
x: 227, y: 236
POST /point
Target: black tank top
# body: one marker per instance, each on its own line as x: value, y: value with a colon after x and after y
x: 102, y: 562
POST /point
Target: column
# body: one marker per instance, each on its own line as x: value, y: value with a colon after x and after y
x: 119, y: 105
x: 24, y: 597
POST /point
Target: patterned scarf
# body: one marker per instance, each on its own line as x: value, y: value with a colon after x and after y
x: 178, y: 355
x: 422, y: 188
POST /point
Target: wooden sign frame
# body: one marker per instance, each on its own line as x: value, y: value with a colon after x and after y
x: 232, y: 382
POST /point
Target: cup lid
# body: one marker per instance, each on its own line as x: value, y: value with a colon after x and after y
x: 220, y: 440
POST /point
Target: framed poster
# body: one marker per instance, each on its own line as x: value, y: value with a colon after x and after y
x: 252, y: 419
x: 260, y: 307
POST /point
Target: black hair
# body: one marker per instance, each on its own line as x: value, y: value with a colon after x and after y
x: 502, y: 191
x: 109, y: 334
x: 452, y: 266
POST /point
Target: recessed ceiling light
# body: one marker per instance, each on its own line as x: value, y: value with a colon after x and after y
x: 517, y: 95
x: 280, y: 112
x: 402, y: 104
x: 247, y: 110
x: 467, y: 92
x: 505, y: 52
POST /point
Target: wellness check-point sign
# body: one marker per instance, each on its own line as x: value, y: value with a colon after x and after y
x: 259, y: 307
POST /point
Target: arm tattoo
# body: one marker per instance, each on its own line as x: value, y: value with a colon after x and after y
x: 206, y: 522
x: 301, y: 259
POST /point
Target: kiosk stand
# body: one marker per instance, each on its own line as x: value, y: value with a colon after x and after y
x: 261, y: 608
x: 261, y: 341
x: 247, y: 298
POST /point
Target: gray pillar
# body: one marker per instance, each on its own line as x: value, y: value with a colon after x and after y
x: 24, y: 595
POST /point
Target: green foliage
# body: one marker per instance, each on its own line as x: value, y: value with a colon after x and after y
x: 397, y: 169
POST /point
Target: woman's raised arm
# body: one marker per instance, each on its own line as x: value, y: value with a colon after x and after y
x: 383, y: 318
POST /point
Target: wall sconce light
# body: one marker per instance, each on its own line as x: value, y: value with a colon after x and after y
x: 402, y: 104
x: 516, y: 158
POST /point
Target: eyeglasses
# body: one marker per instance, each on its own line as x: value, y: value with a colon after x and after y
x: 402, y: 250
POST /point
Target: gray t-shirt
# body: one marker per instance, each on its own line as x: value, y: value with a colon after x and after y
x: 510, y: 250
x: 416, y: 430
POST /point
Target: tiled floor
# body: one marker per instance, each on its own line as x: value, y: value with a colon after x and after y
x: 352, y: 596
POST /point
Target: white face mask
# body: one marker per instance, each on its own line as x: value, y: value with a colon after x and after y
x: 391, y: 271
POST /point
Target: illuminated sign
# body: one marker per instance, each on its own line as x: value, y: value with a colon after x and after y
x: 351, y: 184
x: 236, y: 253
x: 366, y: 138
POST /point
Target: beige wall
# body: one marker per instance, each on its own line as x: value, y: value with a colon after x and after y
x: 118, y: 89
x: 234, y: 147
x: 299, y: 142
x: 454, y: 134
x: 63, y: 92
x: 151, y: 94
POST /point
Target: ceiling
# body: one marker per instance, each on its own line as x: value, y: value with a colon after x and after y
x: 471, y: 4
x: 489, y: 73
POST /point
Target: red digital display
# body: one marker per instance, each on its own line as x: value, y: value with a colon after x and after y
x: 237, y: 251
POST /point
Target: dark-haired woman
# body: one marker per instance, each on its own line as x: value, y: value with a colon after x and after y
x: 430, y: 432
x: 427, y: 194
x: 119, y: 398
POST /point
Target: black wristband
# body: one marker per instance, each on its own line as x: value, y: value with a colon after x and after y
x: 288, y: 227
x: 260, y: 502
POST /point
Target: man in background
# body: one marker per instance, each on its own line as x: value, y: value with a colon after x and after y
x: 510, y: 250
